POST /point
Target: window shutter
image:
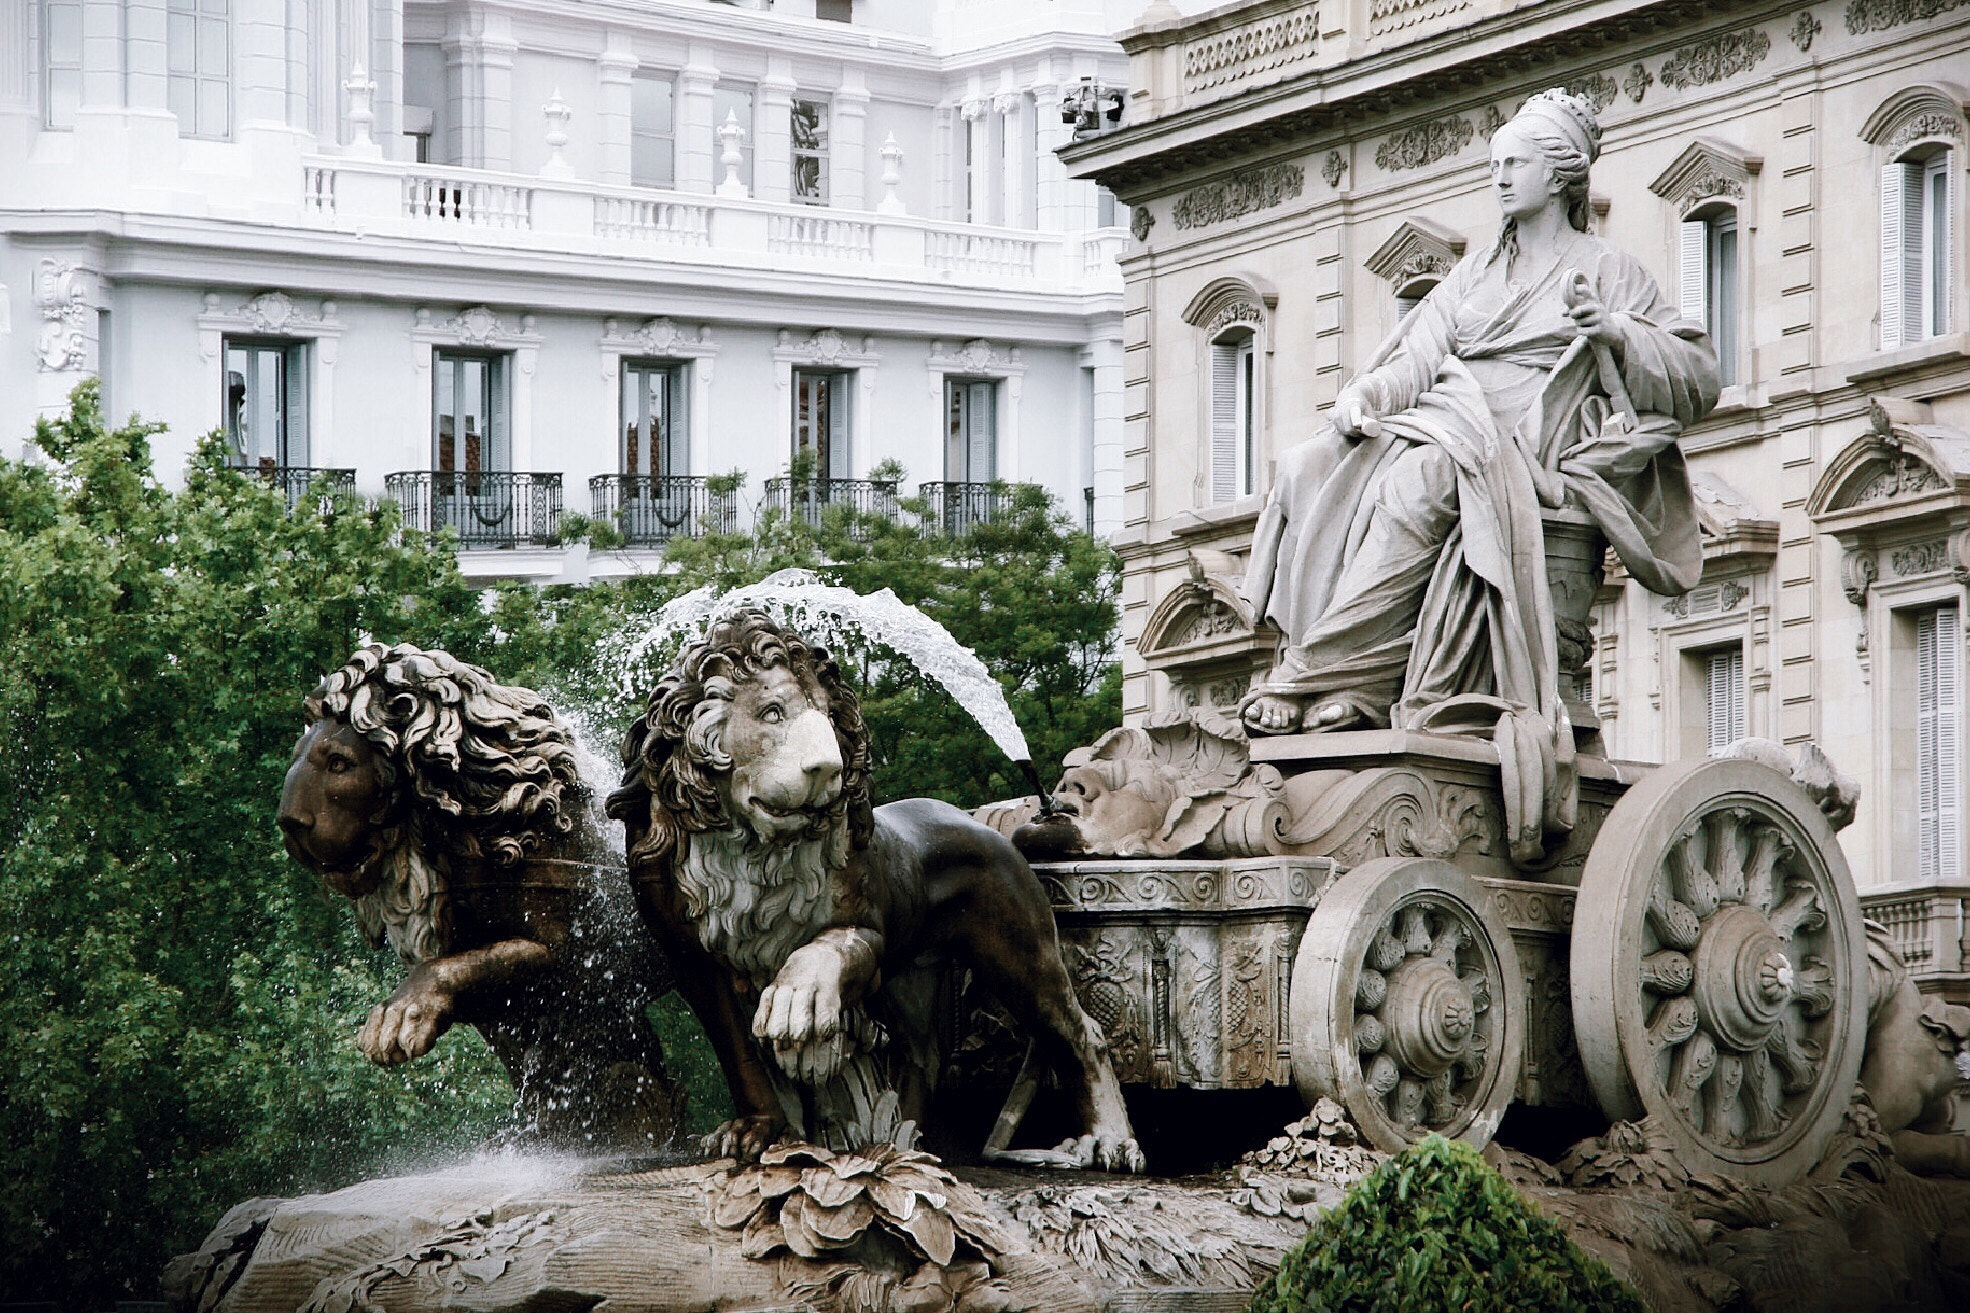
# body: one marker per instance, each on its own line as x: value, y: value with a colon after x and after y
x: 1695, y: 237
x: 1224, y: 421
x: 839, y: 451
x: 1948, y: 722
x: 1726, y: 718
x: 984, y: 446
x: 499, y: 439
x: 1896, y: 224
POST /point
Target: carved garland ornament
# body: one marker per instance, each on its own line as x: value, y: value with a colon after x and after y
x: 1243, y: 193
x: 1334, y: 168
x: 64, y: 293
x: 1919, y: 558
x: 1804, y: 29
x: 1712, y: 60
x: 1596, y: 87
x: 1922, y: 126
x: 1880, y: 15
x: 1424, y: 144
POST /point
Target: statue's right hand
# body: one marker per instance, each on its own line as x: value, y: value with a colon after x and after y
x: 1356, y: 412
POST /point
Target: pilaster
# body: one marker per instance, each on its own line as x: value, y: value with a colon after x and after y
x: 616, y: 71
x: 848, y: 144
x: 697, y: 148
x: 978, y: 171
x: 1050, y: 175
x: 1011, y: 107
x: 772, y: 154
x: 1105, y: 358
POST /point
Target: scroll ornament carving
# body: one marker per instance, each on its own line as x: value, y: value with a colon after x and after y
x: 1638, y: 81
x: 1243, y: 193
x: 1425, y: 144
x: 659, y: 336
x: 63, y: 291
x: 974, y: 357
x: 1422, y: 263
x: 1921, y: 126
x: 477, y: 325
x: 1903, y: 476
x: 1858, y: 571
x: 1880, y: 15
x: 1804, y: 29
x: 1919, y: 558
x: 1712, y: 60
x: 1334, y: 168
x: 1711, y: 183
x: 1238, y: 312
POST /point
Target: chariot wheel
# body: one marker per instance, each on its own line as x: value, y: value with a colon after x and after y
x: 1718, y: 967
x: 1407, y: 1004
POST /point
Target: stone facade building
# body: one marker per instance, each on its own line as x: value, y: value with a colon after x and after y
x: 478, y: 255
x: 1792, y: 173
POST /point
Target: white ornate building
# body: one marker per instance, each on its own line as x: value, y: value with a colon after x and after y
x: 1794, y: 172
x: 504, y: 260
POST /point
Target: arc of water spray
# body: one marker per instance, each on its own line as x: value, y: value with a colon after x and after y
x: 801, y: 601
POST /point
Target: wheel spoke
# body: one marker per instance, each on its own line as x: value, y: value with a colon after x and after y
x: 1721, y: 1094
x: 1800, y: 909
x: 1694, y: 884
x: 1727, y: 853
x: 1764, y: 1110
x: 1761, y: 873
x: 1674, y: 1022
x: 1797, y: 1060
x: 1689, y: 1072
x: 1666, y: 972
x: 1673, y: 922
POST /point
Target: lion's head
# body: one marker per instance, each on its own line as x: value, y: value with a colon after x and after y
x: 415, y: 764
x: 751, y: 729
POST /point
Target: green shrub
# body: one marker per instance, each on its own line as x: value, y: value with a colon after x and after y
x: 1432, y: 1230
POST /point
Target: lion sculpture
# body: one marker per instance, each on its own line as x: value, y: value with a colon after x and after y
x: 449, y: 810
x: 811, y: 931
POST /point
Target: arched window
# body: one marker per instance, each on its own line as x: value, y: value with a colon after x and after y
x: 1708, y: 278
x: 1233, y: 373
x: 1417, y: 256
x: 1410, y: 294
x: 1920, y: 133
x: 1232, y: 316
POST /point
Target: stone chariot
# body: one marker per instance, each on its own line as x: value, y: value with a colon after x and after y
x: 1339, y: 913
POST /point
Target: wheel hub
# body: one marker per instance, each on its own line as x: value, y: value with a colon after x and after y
x: 1743, y: 977
x: 1430, y: 1016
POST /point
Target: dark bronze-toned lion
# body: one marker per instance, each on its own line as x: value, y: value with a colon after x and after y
x: 811, y: 931
x: 449, y: 810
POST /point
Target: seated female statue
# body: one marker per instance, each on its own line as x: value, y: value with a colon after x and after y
x: 1400, y: 551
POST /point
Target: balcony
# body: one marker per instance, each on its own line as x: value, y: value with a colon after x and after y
x: 953, y: 509
x: 649, y: 511
x: 1930, y: 927
x: 391, y: 198
x: 808, y: 500
x: 333, y: 488
x: 487, y: 508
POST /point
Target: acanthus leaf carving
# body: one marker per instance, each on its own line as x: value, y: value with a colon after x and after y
x: 1921, y: 127
x: 1864, y: 16
x: 1804, y: 28
x: 1334, y: 168
x: 1716, y: 58
x: 1424, y: 144
x: 65, y: 294
x: 1919, y: 558
x: 1244, y: 192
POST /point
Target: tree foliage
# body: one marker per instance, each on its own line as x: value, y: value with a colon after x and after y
x: 1437, y: 1230
x: 179, y: 999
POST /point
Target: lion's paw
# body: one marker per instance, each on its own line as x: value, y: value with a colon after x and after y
x: 1105, y: 1153
x: 745, y: 1138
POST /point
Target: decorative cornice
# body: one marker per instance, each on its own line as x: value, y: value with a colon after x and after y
x: 659, y: 337
x: 976, y: 357
x: 1244, y: 192
x: 1418, y: 248
x: 1913, y: 113
x: 1424, y: 144
x: 1716, y: 58
x: 1707, y: 169
x: 477, y: 326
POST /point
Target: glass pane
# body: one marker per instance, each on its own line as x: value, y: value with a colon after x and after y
x: 64, y: 33
x: 64, y: 97
x: 474, y: 411
x: 630, y: 420
x: 212, y: 47
x: 216, y: 8
x: 212, y: 110
x: 183, y: 6
x: 237, y: 366
x: 809, y: 125
x: 650, y: 104
x: 652, y: 161
x: 1939, y: 244
x: 264, y: 423
x: 182, y: 38
x: 445, y: 412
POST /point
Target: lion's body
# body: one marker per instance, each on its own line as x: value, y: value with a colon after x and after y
x: 1916, y: 1057
x: 810, y: 930
x: 448, y: 809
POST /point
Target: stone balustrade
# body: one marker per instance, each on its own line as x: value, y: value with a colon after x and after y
x: 1929, y: 923
x: 475, y: 205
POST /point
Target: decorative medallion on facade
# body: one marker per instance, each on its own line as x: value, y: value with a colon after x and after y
x: 1919, y: 558
x: 1715, y: 58
x: 1424, y: 144
x: 65, y: 295
x: 1704, y: 170
x: 1417, y: 249
x: 661, y: 337
x: 1140, y: 222
x: 1638, y: 81
x: 1244, y: 192
x: 826, y: 347
x: 275, y: 314
x: 976, y: 357
x: 1334, y: 168
x: 1880, y: 15
x: 1804, y: 29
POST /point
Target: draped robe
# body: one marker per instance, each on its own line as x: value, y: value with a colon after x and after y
x: 1407, y: 571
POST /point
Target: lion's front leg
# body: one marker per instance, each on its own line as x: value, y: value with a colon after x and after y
x: 818, y: 982
x: 439, y: 992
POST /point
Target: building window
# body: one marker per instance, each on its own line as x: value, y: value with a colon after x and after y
x: 820, y: 420
x: 199, y: 62
x: 1917, y: 245
x: 1723, y: 699
x: 809, y: 127
x: 729, y: 102
x: 971, y: 434
x: 1411, y: 294
x: 1709, y: 283
x: 61, y: 57
x: 471, y: 430
x: 1939, y: 742
x: 652, y: 436
x: 1232, y: 366
x: 266, y: 402
x: 652, y: 130
x: 835, y: 11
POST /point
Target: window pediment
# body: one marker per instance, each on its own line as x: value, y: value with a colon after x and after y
x: 1928, y: 111
x: 1898, y: 466
x: 1223, y: 302
x: 1417, y: 249
x: 1203, y: 611
x: 1707, y: 170
x: 1733, y: 529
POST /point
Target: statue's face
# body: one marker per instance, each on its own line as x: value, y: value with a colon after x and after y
x: 332, y: 807
x: 1521, y: 175
x: 786, y: 760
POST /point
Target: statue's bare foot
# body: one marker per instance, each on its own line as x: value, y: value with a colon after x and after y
x: 1269, y: 713
x: 1104, y: 1153
x: 745, y: 1138
x: 1333, y: 716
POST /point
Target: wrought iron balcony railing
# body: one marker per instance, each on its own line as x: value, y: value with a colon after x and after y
x: 808, y: 500
x: 651, y: 510
x: 336, y: 488
x: 488, y: 508
x: 958, y: 508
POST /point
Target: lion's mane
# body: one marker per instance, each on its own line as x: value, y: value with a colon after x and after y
x: 674, y: 752
x: 479, y: 772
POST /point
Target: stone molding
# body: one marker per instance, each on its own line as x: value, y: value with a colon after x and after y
x: 1419, y: 248
x: 1244, y: 192
x: 977, y: 358
x: 475, y: 326
x: 1864, y: 16
x: 827, y: 347
x: 1707, y: 170
x: 1924, y: 112
x: 1715, y: 58
x: 1424, y: 144
x: 659, y: 339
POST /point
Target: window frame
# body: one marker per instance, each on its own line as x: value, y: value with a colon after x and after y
x: 1918, y: 244
x: 497, y: 446
x: 671, y: 449
x: 639, y: 134
x: 1712, y: 237
x: 67, y: 71
x: 198, y: 81
x: 960, y: 394
x: 816, y: 153
x: 292, y: 401
x: 1232, y: 437
x: 1938, y: 629
x: 834, y: 446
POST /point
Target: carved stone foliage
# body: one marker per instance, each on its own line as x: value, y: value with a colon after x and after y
x: 829, y: 346
x: 1717, y: 599
x: 1596, y: 87
x: 1901, y: 476
x: 1858, y: 571
x: 1923, y: 126
x: 1804, y: 28
x: 1424, y: 144
x: 65, y: 295
x: 662, y: 337
x: 1490, y: 121
x: 1245, y: 192
x: 975, y: 357
x: 1704, y: 171
x: 1417, y: 249
x: 1638, y: 81
x: 1140, y: 222
x: 1880, y: 15
x: 1713, y: 59
x: 1334, y: 168
x: 475, y: 326
x: 1919, y: 558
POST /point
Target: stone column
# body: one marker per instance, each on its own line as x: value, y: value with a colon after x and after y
x: 462, y: 101
x: 613, y: 122
x: 1050, y: 187
x: 1011, y: 108
x: 697, y: 148
x: 944, y: 135
x: 260, y: 63
x: 496, y: 50
x: 848, y: 144
x: 772, y: 126
x: 978, y: 172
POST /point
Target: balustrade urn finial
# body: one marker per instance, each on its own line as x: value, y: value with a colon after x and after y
x: 730, y: 134
x: 557, y: 112
x: 361, y: 91
x: 892, y: 177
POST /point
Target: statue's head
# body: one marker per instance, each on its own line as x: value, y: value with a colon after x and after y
x: 1542, y: 156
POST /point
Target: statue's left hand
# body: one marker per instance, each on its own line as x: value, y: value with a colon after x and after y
x: 408, y: 1023
x: 804, y: 1001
